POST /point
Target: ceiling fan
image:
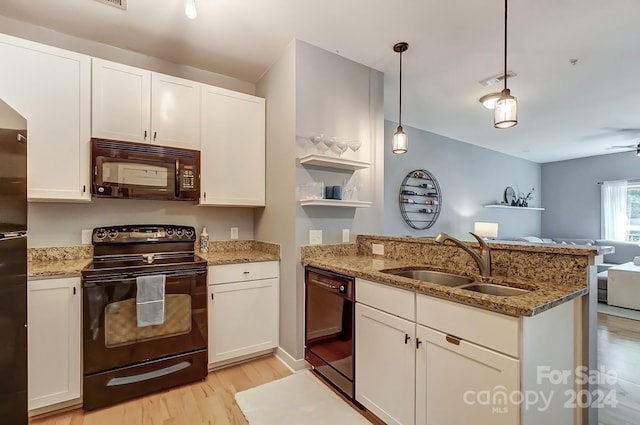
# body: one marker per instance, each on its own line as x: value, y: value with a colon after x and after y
x: 630, y: 148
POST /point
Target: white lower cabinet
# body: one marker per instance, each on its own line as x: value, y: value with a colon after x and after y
x: 458, y: 382
x: 385, y: 365
x: 243, y: 310
x: 460, y: 364
x: 54, y: 340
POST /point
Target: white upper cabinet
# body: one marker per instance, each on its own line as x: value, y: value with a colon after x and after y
x: 232, y: 148
x: 51, y: 88
x: 175, y: 112
x: 137, y: 105
x: 121, y: 102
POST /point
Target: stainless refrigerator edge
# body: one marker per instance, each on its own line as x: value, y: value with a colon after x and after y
x: 13, y: 266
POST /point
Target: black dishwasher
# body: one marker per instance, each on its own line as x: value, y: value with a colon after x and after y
x: 329, y: 327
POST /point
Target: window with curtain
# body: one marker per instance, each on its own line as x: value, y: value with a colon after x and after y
x: 633, y: 211
x: 615, y: 220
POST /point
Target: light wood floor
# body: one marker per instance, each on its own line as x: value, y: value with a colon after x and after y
x: 619, y: 351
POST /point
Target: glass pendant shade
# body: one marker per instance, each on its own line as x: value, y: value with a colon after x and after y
x: 400, y: 141
x: 190, y: 9
x: 506, y: 112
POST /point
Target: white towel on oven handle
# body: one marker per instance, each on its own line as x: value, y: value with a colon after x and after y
x: 150, y: 300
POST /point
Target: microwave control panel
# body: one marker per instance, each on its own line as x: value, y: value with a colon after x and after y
x: 187, y: 180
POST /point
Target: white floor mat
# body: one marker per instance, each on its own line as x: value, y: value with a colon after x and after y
x: 298, y: 399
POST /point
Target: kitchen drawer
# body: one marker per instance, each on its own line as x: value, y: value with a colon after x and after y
x: 243, y: 272
x: 492, y: 330
x: 397, y: 301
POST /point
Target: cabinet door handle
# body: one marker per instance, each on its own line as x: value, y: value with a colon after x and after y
x: 453, y: 340
x: 212, y: 295
x: 246, y: 272
x: 84, y: 188
x: 155, y: 133
x: 74, y: 290
x: 205, y: 195
x: 145, y: 135
x: 406, y: 338
x: 418, y: 342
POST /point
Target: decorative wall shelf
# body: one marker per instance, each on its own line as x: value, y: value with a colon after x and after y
x: 332, y: 162
x: 420, y: 199
x: 335, y: 203
x: 514, y: 208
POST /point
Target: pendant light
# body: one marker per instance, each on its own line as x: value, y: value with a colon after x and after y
x: 400, y: 139
x: 190, y: 9
x: 506, y: 112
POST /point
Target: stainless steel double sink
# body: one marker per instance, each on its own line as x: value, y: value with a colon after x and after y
x: 455, y: 281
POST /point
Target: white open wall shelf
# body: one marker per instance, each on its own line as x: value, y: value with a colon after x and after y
x: 514, y: 208
x: 335, y: 203
x: 332, y: 162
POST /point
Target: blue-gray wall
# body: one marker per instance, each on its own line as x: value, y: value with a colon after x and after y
x: 571, y: 193
x: 470, y: 177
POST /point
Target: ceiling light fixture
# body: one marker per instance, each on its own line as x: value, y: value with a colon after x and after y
x: 506, y: 112
x: 400, y: 139
x: 190, y: 9
x: 489, y: 100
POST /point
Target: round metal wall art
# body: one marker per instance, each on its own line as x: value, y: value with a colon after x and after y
x: 420, y: 199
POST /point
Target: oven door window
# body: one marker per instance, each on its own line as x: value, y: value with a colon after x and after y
x: 121, y: 322
x: 112, y: 337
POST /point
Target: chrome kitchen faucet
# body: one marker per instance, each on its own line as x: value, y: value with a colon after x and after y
x: 483, y: 260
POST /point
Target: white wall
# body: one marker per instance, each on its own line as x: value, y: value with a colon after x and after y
x: 60, y: 224
x: 275, y: 223
x: 338, y: 97
x: 470, y: 177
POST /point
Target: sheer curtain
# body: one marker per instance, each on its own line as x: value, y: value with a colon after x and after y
x: 614, y: 210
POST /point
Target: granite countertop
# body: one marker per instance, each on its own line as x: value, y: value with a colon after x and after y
x: 543, y: 296
x: 57, y: 268
x: 69, y: 261
x: 240, y: 251
x: 234, y: 257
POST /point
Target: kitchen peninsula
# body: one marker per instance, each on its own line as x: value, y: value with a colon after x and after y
x: 425, y: 351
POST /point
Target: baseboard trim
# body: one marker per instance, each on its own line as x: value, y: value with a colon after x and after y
x: 239, y: 360
x: 294, y: 365
x: 54, y: 409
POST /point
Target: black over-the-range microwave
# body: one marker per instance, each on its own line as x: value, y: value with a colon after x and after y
x: 129, y: 170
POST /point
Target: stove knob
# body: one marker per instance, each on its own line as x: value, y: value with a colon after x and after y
x: 112, y: 233
x: 179, y: 233
x: 189, y: 233
x: 169, y: 232
x: 101, y: 234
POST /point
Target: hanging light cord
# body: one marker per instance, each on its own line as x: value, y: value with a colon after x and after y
x: 505, y: 44
x: 400, y: 103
